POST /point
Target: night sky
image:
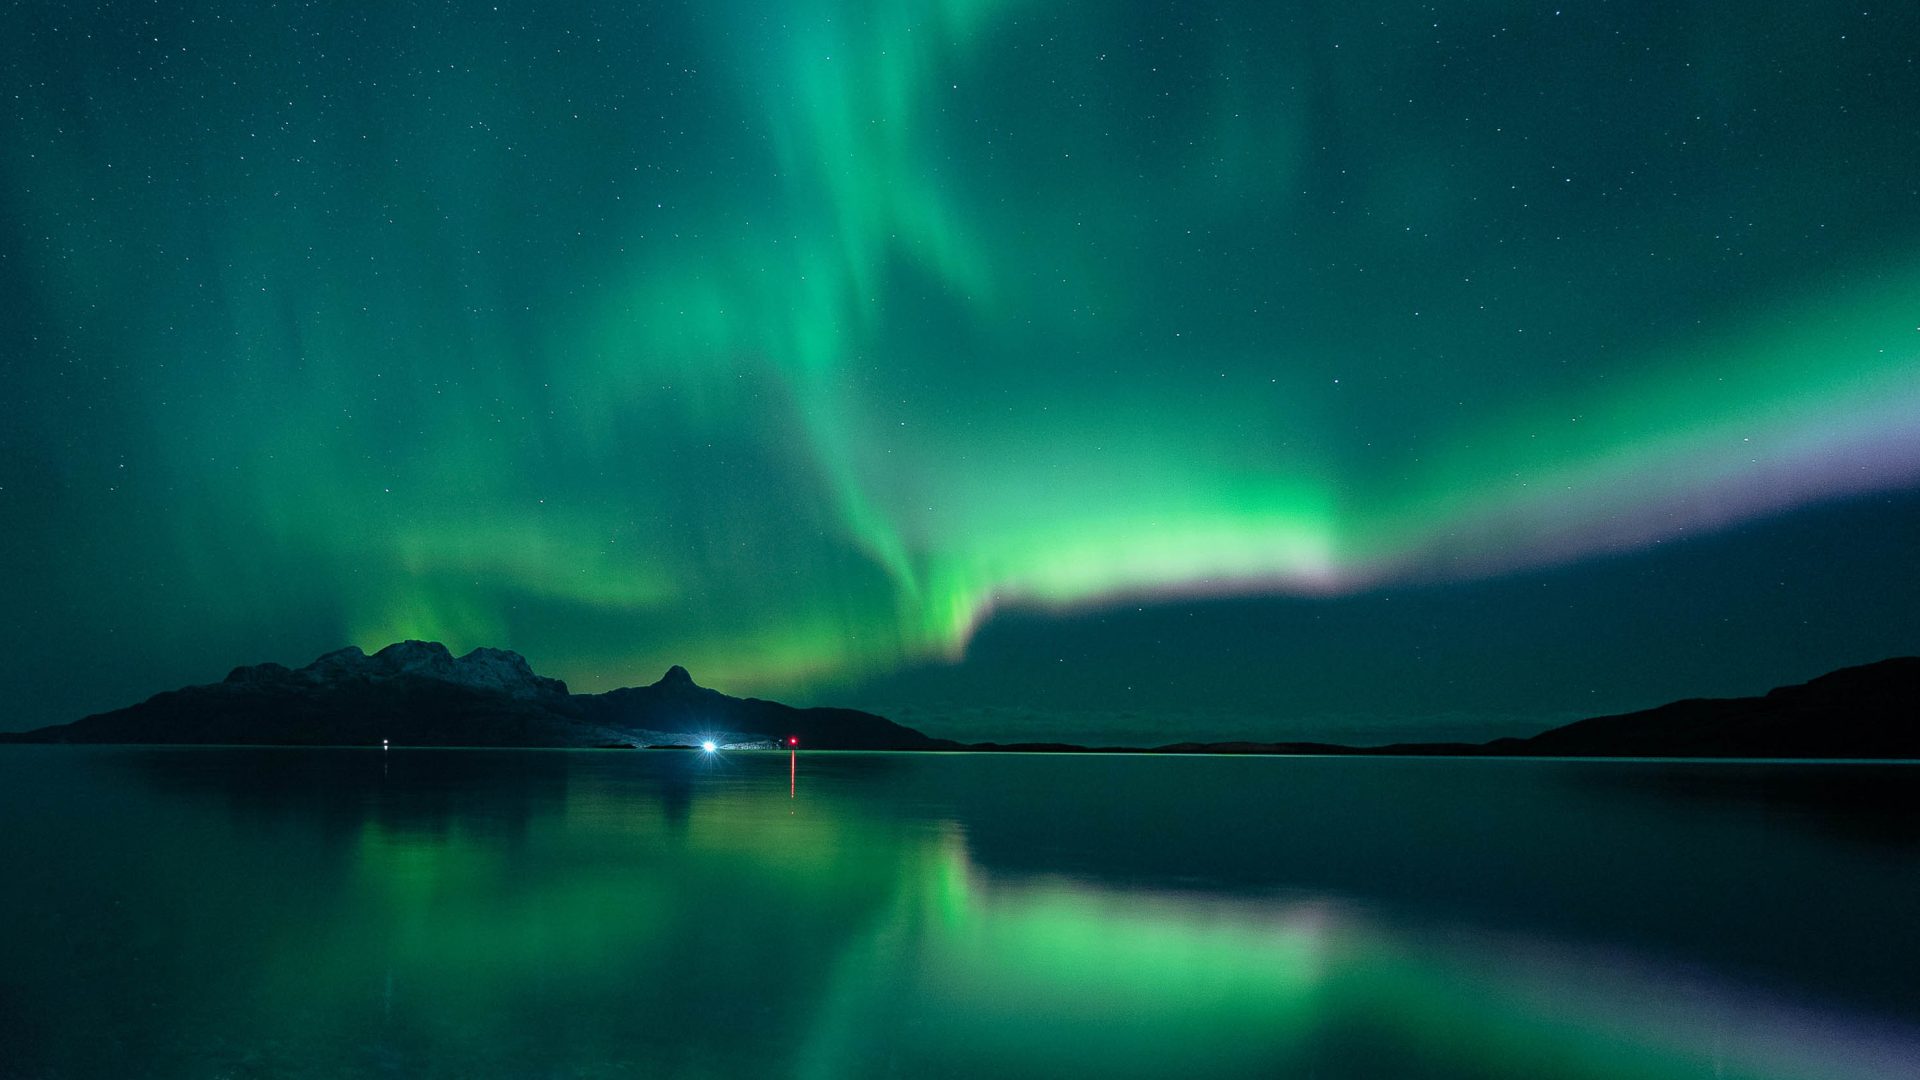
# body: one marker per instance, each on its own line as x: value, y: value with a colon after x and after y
x: 1094, y: 370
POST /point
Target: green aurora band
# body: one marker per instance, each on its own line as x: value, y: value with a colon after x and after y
x: 791, y: 342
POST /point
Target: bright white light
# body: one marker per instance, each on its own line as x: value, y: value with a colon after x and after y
x: 708, y: 746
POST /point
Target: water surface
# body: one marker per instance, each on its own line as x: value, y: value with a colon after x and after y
x: 263, y: 913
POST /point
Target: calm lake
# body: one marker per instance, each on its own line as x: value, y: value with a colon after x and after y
x: 426, y: 913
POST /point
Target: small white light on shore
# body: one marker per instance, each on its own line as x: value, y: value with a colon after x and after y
x: 708, y: 746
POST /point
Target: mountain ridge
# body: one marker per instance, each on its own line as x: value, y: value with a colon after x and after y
x: 1867, y: 711
x: 418, y: 693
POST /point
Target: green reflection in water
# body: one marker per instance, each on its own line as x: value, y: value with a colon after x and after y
x: 754, y: 934
x: 1065, y: 978
x: 269, y: 914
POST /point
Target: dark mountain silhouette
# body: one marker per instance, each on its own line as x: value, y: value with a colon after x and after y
x: 676, y: 704
x: 1865, y: 711
x: 1870, y: 711
x: 417, y: 693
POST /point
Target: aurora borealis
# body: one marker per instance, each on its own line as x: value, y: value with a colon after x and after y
x: 813, y: 344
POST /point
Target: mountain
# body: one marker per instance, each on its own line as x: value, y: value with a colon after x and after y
x: 1870, y: 711
x: 417, y: 693
x: 676, y: 704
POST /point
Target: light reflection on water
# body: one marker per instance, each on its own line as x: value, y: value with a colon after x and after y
x: 292, y: 913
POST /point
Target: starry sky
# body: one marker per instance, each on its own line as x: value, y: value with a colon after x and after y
x: 1097, y: 370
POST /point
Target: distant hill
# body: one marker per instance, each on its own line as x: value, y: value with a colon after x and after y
x: 1855, y: 711
x: 1871, y: 711
x: 417, y: 693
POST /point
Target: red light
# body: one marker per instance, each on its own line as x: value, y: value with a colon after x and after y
x: 793, y: 740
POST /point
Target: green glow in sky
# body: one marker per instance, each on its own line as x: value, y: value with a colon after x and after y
x: 792, y: 342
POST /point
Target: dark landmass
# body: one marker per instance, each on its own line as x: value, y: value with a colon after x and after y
x: 416, y: 693
x: 1870, y: 711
